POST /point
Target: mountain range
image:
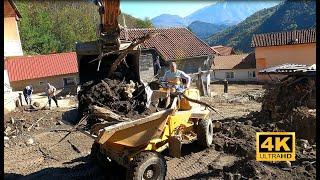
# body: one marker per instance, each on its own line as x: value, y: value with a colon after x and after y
x: 226, y: 12
x: 288, y: 15
x: 203, y: 30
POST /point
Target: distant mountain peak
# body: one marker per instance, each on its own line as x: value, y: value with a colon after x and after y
x: 223, y: 12
x: 288, y: 15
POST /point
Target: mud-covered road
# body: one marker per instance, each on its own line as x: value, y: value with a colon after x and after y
x: 35, y: 154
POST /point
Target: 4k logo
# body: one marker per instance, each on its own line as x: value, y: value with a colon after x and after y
x: 275, y: 146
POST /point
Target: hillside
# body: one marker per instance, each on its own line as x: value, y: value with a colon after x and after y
x: 224, y: 12
x: 204, y: 30
x: 54, y: 26
x: 289, y: 15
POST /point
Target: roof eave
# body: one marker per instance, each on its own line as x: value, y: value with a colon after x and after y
x: 15, y: 9
x: 284, y: 44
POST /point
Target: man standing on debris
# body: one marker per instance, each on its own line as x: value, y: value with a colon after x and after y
x: 27, y: 92
x: 51, y: 92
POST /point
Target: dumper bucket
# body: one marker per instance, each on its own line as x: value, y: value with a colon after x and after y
x: 89, y: 71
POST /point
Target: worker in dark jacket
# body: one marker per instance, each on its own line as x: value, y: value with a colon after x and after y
x: 51, y: 93
x: 27, y: 92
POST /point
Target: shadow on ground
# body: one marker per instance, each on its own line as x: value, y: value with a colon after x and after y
x: 87, y: 168
x: 84, y: 168
x: 71, y: 116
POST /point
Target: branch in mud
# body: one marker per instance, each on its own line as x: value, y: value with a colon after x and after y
x: 125, y: 52
x: 202, y: 103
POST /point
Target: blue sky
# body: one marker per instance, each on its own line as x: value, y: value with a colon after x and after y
x: 151, y: 9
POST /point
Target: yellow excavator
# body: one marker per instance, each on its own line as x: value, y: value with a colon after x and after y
x: 137, y: 144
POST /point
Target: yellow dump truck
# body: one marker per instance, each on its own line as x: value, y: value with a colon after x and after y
x: 137, y: 144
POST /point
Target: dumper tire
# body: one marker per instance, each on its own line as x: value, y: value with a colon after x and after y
x: 147, y: 165
x: 205, y: 133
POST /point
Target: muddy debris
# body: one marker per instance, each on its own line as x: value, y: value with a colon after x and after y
x: 124, y: 98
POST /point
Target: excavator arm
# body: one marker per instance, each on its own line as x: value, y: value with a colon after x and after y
x: 109, y: 29
x: 108, y: 43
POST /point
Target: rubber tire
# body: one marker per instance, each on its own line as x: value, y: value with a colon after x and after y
x: 205, y: 133
x: 142, y: 161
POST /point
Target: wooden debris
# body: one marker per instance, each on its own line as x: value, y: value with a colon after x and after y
x: 29, y: 128
x: 74, y: 147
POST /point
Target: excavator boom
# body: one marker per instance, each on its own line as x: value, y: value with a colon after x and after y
x: 108, y: 43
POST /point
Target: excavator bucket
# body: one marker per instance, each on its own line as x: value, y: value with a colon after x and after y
x: 90, y: 70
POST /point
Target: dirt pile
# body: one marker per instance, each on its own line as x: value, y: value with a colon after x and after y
x: 290, y: 106
x: 125, y: 98
x: 281, y: 98
x: 237, y: 137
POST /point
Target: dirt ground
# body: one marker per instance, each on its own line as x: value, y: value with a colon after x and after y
x: 36, y: 154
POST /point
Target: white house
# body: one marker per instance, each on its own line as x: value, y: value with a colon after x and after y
x: 12, y: 47
x: 240, y: 67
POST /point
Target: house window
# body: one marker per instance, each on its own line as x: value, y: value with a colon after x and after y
x: 69, y: 81
x: 251, y: 74
x: 41, y: 83
x: 229, y: 75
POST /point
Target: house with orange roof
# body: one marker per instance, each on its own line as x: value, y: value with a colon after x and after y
x: 172, y: 44
x: 239, y: 67
x: 223, y: 50
x: 276, y: 48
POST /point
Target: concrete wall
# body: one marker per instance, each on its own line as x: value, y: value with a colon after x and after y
x: 12, y: 43
x: 56, y: 81
x: 277, y: 55
x: 188, y: 65
x: 239, y: 75
x: 146, y: 66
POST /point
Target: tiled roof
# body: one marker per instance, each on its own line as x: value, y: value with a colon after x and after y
x: 172, y: 43
x: 238, y: 61
x: 39, y: 66
x: 223, y: 50
x: 284, y: 38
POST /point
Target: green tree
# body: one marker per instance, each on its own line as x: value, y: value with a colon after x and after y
x: 55, y: 26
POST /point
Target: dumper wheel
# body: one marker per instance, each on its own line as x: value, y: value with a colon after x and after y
x: 147, y: 165
x: 205, y: 132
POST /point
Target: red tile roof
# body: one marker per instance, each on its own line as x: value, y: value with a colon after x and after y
x: 238, y: 61
x: 284, y: 38
x: 223, y: 50
x: 173, y: 43
x: 39, y: 66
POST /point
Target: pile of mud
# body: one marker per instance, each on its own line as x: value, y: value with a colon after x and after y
x: 127, y: 99
x: 237, y: 137
x: 281, y: 98
x: 290, y: 105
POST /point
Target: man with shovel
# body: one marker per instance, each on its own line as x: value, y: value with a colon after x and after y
x: 51, y: 93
